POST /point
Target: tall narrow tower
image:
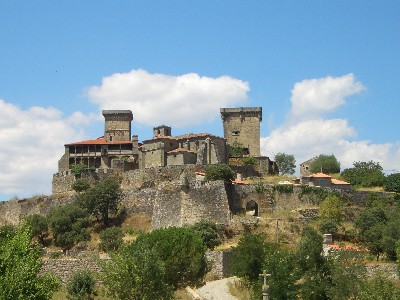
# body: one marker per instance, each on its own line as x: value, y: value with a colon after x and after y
x: 242, y: 125
x: 117, y: 127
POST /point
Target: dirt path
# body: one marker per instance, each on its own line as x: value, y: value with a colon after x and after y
x: 217, y: 290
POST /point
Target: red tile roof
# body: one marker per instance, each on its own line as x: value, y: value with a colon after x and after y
x: 160, y: 137
x: 99, y: 141
x: 335, y: 181
x: 194, y: 135
x: 319, y: 175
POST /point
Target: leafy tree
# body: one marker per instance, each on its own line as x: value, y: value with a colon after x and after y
x: 392, y: 183
x: 111, y: 239
x: 312, y: 266
x: 347, y: 274
x: 364, y: 174
x: 68, y: 224
x: 102, y: 199
x: 286, y: 163
x: 249, y: 255
x: 282, y: 283
x: 379, y: 288
x: 19, y: 267
x: 328, y: 226
x: 39, y: 225
x: 81, y: 286
x: 136, y: 272
x: 332, y: 208
x: 219, y: 172
x: 181, y: 250
x: 326, y: 164
x: 80, y: 185
x: 208, y: 232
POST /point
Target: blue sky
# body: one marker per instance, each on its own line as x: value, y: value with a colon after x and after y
x: 325, y: 73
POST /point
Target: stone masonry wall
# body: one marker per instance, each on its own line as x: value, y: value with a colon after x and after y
x: 176, y: 205
x: 220, y: 262
x: 66, y: 268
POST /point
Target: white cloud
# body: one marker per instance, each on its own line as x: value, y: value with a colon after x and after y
x: 306, y: 133
x: 32, y: 143
x: 312, y: 97
x: 177, y: 101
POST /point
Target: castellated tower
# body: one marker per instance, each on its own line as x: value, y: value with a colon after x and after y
x: 117, y: 127
x: 242, y: 125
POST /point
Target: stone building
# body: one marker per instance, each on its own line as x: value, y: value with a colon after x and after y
x: 242, y: 126
x: 115, y: 149
x: 305, y: 167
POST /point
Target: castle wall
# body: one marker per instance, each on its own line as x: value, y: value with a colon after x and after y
x: 175, y: 205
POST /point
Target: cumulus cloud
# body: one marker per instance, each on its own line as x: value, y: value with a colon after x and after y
x: 32, y: 143
x: 313, y: 97
x: 307, y: 132
x: 178, y: 101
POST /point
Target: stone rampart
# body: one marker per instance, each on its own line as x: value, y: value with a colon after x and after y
x: 176, y: 205
x: 219, y: 263
x: 14, y: 210
x: 66, y: 268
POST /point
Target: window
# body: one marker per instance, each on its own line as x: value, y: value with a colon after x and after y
x: 237, y: 132
x: 110, y: 138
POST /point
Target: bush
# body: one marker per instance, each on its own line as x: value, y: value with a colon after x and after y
x: 80, y: 185
x: 392, y: 183
x: 219, y: 172
x: 111, y: 239
x: 81, y: 286
x: 365, y: 174
x: 250, y: 161
x: 328, y: 226
x: 39, y: 226
x: 209, y: 233
x: 326, y: 164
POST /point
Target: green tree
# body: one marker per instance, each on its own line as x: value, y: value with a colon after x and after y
x: 325, y: 164
x: 236, y: 149
x: 181, y: 250
x: 250, y: 161
x: 102, y: 199
x: 392, y: 183
x: 347, y: 274
x: 332, y: 209
x: 312, y: 266
x: 68, y: 224
x: 80, y: 185
x: 136, y: 272
x: 248, y: 256
x: 39, y: 226
x: 19, y: 267
x: 286, y: 163
x: 111, y: 239
x: 379, y: 288
x: 328, y: 226
x: 364, y: 174
x: 81, y: 286
x: 208, y: 232
x: 219, y: 172
x: 78, y: 169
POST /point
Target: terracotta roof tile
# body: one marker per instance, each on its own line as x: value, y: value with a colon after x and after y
x: 99, y: 141
x: 335, y: 181
x: 319, y: 175
x: 160, y: 137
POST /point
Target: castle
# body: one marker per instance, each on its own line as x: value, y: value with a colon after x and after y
x: 117, y: 149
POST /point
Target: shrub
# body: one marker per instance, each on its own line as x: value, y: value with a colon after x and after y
x: 219, y: 172
x: 392, y: 183
x: 80, y: 185
x: 209, y: 233
x: 251, y: 161
x: 328, y: 226
x: 81, y: 286
x: 111, y: 239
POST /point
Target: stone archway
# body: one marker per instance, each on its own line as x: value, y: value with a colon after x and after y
x: 252, y: 208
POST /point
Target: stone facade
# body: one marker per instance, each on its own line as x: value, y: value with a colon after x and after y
x: 242, y: 125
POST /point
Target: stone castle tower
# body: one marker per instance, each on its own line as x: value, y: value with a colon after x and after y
x: 242, y: 125
x: 117, y: 127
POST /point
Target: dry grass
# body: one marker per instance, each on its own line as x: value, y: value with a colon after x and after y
x: 239, y: 290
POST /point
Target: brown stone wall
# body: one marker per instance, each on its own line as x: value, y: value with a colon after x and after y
x: 242, y: 125
x: 66, y: 268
